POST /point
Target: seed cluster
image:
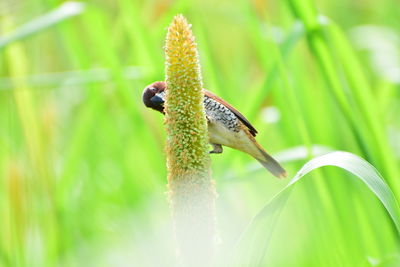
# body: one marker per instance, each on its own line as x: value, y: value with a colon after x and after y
x: 217, y: 112
x: 187, y: 143
x: 191, y: 190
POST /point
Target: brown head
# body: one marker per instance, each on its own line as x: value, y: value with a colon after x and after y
x: 154, y: 96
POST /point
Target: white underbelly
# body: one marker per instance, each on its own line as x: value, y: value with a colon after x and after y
x: 219, y: 134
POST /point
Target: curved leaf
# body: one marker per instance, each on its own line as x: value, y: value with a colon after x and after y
x: 254, y: 242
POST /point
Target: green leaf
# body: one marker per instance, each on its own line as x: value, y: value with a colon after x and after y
x: 65, y: 11
x: 255, y: 240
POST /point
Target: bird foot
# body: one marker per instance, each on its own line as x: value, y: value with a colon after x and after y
x: 217, y: 149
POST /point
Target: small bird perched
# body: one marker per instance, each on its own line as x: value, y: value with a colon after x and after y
x: 226, y: 126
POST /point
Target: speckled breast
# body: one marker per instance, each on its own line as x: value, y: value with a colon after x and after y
x: 217, y: 112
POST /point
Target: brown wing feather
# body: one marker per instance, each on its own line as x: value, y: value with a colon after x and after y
x: 242, y: 118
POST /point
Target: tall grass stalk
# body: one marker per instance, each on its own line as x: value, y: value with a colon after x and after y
x: 191, y: 189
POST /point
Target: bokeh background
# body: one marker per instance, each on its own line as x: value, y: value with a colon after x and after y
x: 82, y: 162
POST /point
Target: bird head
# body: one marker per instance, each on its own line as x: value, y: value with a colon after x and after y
x: 154, y: 96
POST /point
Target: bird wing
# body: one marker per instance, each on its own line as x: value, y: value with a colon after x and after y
x: 242, y: 118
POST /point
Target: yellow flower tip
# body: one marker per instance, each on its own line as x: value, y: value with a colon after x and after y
x: 185, y: 117
x: 190, y: 186
x: 180, y: 19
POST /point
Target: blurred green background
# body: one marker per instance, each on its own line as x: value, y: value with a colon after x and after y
x: 82, y: 162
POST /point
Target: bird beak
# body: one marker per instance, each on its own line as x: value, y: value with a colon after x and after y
x: 157, y: 100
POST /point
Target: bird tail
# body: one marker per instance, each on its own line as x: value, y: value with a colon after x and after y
x: 271, y: 164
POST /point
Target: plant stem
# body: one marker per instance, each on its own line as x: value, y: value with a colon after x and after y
x: 191, y: 189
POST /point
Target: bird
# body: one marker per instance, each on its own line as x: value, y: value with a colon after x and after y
x: 226, y: 126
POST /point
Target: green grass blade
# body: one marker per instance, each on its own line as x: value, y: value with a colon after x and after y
x: 293, y: 37
x: 75, y: 77
x: 256, y: 239
x: 351, y: 91
x: 65, y: 11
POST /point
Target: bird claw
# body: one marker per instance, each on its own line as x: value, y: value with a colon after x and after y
x: 217, y: 149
